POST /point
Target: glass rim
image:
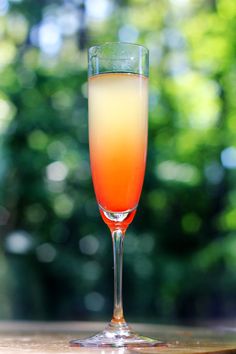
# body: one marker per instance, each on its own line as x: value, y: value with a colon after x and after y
x: 118, y: 57
x: 90, y: 49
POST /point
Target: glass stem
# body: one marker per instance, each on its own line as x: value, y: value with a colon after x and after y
x: 118, y: 240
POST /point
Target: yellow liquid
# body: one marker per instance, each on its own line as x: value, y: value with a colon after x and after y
x: 118, y: 110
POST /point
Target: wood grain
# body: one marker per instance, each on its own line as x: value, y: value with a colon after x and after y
x: 43, y: 338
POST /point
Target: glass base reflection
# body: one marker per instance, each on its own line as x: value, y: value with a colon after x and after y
x: 117, y: 336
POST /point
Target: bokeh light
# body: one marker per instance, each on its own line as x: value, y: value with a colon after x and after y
x: 52, y: 236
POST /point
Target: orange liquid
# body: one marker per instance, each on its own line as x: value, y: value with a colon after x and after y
x: 118, y: 108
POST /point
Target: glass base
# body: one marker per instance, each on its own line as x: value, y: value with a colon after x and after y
x: 117, y: 337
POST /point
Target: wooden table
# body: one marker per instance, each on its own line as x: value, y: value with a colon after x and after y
x: 43, y: 338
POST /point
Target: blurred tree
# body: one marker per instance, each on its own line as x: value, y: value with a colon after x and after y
x: 57, y: 264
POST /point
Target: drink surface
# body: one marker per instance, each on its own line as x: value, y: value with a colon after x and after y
x: 118, y: 108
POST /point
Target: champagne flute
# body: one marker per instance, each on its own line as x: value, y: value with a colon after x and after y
x: 118, y: 123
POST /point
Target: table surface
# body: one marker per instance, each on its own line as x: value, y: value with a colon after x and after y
x: 43, y: 338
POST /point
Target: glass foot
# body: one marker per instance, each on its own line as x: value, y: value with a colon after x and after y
x: 113, y: 337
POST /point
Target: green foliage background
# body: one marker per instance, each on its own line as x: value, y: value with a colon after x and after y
x: 180, y: 251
